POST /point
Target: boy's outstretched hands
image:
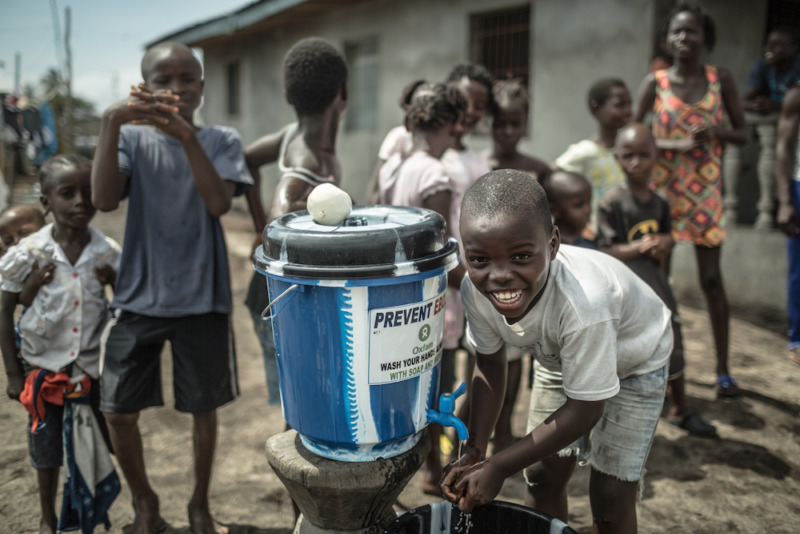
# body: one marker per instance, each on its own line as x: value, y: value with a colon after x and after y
x: 471, y: 481
x: 453, y: 471
x: 476, y: 485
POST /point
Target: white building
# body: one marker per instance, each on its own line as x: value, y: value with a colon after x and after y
x: 559, y: 46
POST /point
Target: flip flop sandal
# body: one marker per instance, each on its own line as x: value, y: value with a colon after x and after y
x: 694, y: 424
x: 794, y: 357
x: 727, y: 386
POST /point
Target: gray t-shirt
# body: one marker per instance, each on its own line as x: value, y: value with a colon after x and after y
x: 596, y: 322
x: 174, y: 259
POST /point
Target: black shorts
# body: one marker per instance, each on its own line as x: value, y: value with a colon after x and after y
x: 677, y: 361
x: 45, y: 446
x: 203, y: 362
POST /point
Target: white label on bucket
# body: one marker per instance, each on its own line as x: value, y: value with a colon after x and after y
x: 405, y: 341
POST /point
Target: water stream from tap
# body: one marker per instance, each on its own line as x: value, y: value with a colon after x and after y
x: 462, y: 444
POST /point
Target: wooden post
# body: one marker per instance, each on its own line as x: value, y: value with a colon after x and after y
x: 69, y: 137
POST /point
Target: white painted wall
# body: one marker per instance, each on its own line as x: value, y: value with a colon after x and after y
x: 577, y: 42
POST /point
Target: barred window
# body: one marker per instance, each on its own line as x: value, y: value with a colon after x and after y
x: 500, y: 41
x: 362, y: 104
x: 234, y: 84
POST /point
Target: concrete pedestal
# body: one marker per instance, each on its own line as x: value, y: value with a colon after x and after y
x: 333, y: 496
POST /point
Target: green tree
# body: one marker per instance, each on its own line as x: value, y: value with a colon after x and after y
x: 85, y: 122
x: 53, y: 83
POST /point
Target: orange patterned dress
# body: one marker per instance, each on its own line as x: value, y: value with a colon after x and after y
x: 691, y: 181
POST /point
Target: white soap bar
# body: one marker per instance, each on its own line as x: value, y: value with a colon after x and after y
x: 329, y: 205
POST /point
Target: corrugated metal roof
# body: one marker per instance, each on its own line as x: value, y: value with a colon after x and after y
x: 255, y: 17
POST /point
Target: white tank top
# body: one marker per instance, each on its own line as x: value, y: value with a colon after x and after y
x: 797, y: 160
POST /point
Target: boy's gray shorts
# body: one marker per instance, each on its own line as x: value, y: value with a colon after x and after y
x: 621, y: 440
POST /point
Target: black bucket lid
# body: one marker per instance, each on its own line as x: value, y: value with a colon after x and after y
x: 373, y: 242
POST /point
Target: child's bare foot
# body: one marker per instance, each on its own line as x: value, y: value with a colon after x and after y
x: 794, y: 355
x: 45, y: 527
x: 201, y: 522
x: 147, y: 518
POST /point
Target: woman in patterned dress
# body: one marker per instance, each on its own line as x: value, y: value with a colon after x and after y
x: 687, y: 102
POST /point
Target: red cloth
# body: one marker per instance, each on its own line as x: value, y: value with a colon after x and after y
x: 42, y: 385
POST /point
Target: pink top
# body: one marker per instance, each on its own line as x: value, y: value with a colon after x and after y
x: 463, y: 167
x: 409, y: 181
x: 398, y: 140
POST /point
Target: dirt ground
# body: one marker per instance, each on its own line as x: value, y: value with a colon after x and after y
x: 748, y: 480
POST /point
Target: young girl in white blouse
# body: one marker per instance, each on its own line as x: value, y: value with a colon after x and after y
x: 60, y: 337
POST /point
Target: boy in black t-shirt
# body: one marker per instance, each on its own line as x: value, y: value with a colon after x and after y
x: 634, y: 226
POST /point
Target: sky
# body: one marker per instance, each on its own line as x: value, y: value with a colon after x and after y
x: 107, y: 40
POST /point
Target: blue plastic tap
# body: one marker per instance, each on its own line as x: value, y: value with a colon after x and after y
x: 445, y: 415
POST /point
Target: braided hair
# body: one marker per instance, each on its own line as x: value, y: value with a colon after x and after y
x: 434, y: 106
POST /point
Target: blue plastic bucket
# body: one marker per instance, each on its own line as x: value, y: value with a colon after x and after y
x: 358, y: 318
